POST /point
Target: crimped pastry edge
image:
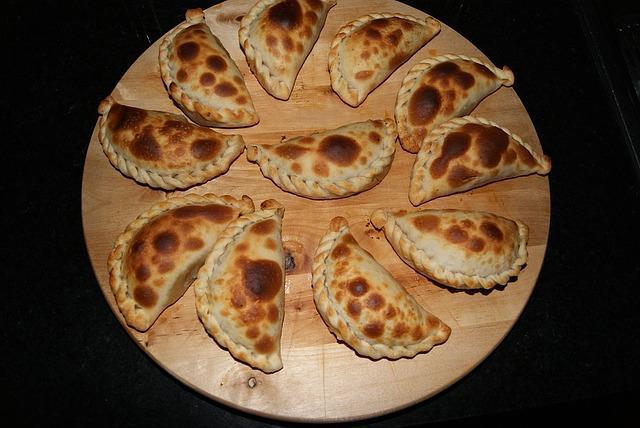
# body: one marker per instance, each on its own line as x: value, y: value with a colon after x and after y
x: 269, y: 208
x: 183, y: 180
x: 195, y: 110
x: 339, y: 83
x: 416, y: 258
x: 339, y: 227
x: 275, y: 87
x: 417, y: 71
x: 325, y: 188
x: 133, y: 315
x: 417, y: 192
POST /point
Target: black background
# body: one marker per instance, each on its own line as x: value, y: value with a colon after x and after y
x: 572, y: 355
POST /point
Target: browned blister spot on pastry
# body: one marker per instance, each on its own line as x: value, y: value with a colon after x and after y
x: 194, y: 244
x: 394, y: 37
x: 290, y: 151
x: 261, y: 278
x: 374, y: 301
x: 372, y: 33
x: 205, y: 148
x: 137, y: 247
x: 450, y: 72
x: 299, y: 47
x: 311, y: 17
x: 252, y: 315
x: 374, y: 137
x: 460, y: 175
x: 456, y: 234
x: 340, y: 251
x: 252, y: 332
x: 296, y: 167
x: 145, y: 296
x: 426, y: 222
x: 145, y: 146
x: 492, y: 231
x: 525, y: 156
x: 182, y: 75
x: 225, y: 89
x: 476, y: 244
x: 166, y: 242
x: 287, y: 43
x: 238, y: 299
x: 176, y: 127
x: 390, y: 312
x: 306, y: 32
x: 424, y: 105
x: 314, y: 4
x: 188, y: 51
x: 272, y: 41
x: 468, y: 224
x: 212, y: 212
x: 358, y: 286
x: 286, y: 15
x: 306, y: 140
x: 265, y: 345
x: 483, y: 70
x: 491, y: 145
x: 417, y: 333
x: 365, y: 55
x: 242, y: 247
x: 399, y: 330
x: 455, y: 145
x: 125, y: 117
x: 354, y: 308
x: 142, y: 273
x: 339, y: 149
x: 364, y: 74
x: 273, y: 313
x: 166, y: 266
x: 398, y: 59
x: 407, y: 25
x: 464, y: 80
x: 241, y: 100
x: 207, y: 79
x: 264, y: 227
x: 373, y: 329
x: 510, y: 156
x: 216, y: 63
x: 321, y: 169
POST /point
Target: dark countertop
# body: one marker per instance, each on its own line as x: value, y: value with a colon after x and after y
x: 574, y: 352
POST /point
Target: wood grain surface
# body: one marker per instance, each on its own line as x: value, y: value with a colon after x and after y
x: 322, y: 380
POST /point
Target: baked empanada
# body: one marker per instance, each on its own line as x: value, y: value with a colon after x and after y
x: 202, y: 78
x: 163, y: 149
x: 441, y: 88
x: 364, y: 306
x: 156, y: 258
x: 369, y: 49
x: 469, y: 152
x: 461, y: 249
x: 240, y: 288
x: 330, y: 164
x: 277, y: 36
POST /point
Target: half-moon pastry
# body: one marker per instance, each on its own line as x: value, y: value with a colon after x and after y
x: 461, y: 249
x: 364, y: 306
x: 468, y: 152
x: 163, y: 149
x: 277, y: 36
x: 240, y: 288
x: 369, y: 49
x: 440, y: 88
x: 202, y: 78
x: 330, y: 164
x: 158, y: 255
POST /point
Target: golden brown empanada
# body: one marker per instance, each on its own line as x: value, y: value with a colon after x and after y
x: 364, y: 306
x: 202, y: 78
x: 468, y: 152
x: 277, y: 36
x: 330, y: 164
x: 240, y: 288
x: 440, y: 88
x: 369, y: 49
x: 156, y: 258
x: 461, y: 249
x: 163, y: 149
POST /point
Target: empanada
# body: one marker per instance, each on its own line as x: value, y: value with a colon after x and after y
x: 240, y: 288
x: 440, y: 88
x: 277, y: 36
x: 461, y: 249
x: 202, y: 78
x: 156, y: 258
x: 163, y: 149
x: 330, y: 164
x: 468, y: 152
x: 364, y: 306
x: 369, y: 49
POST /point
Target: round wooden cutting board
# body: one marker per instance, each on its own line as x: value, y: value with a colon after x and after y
x: 322, y: 380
